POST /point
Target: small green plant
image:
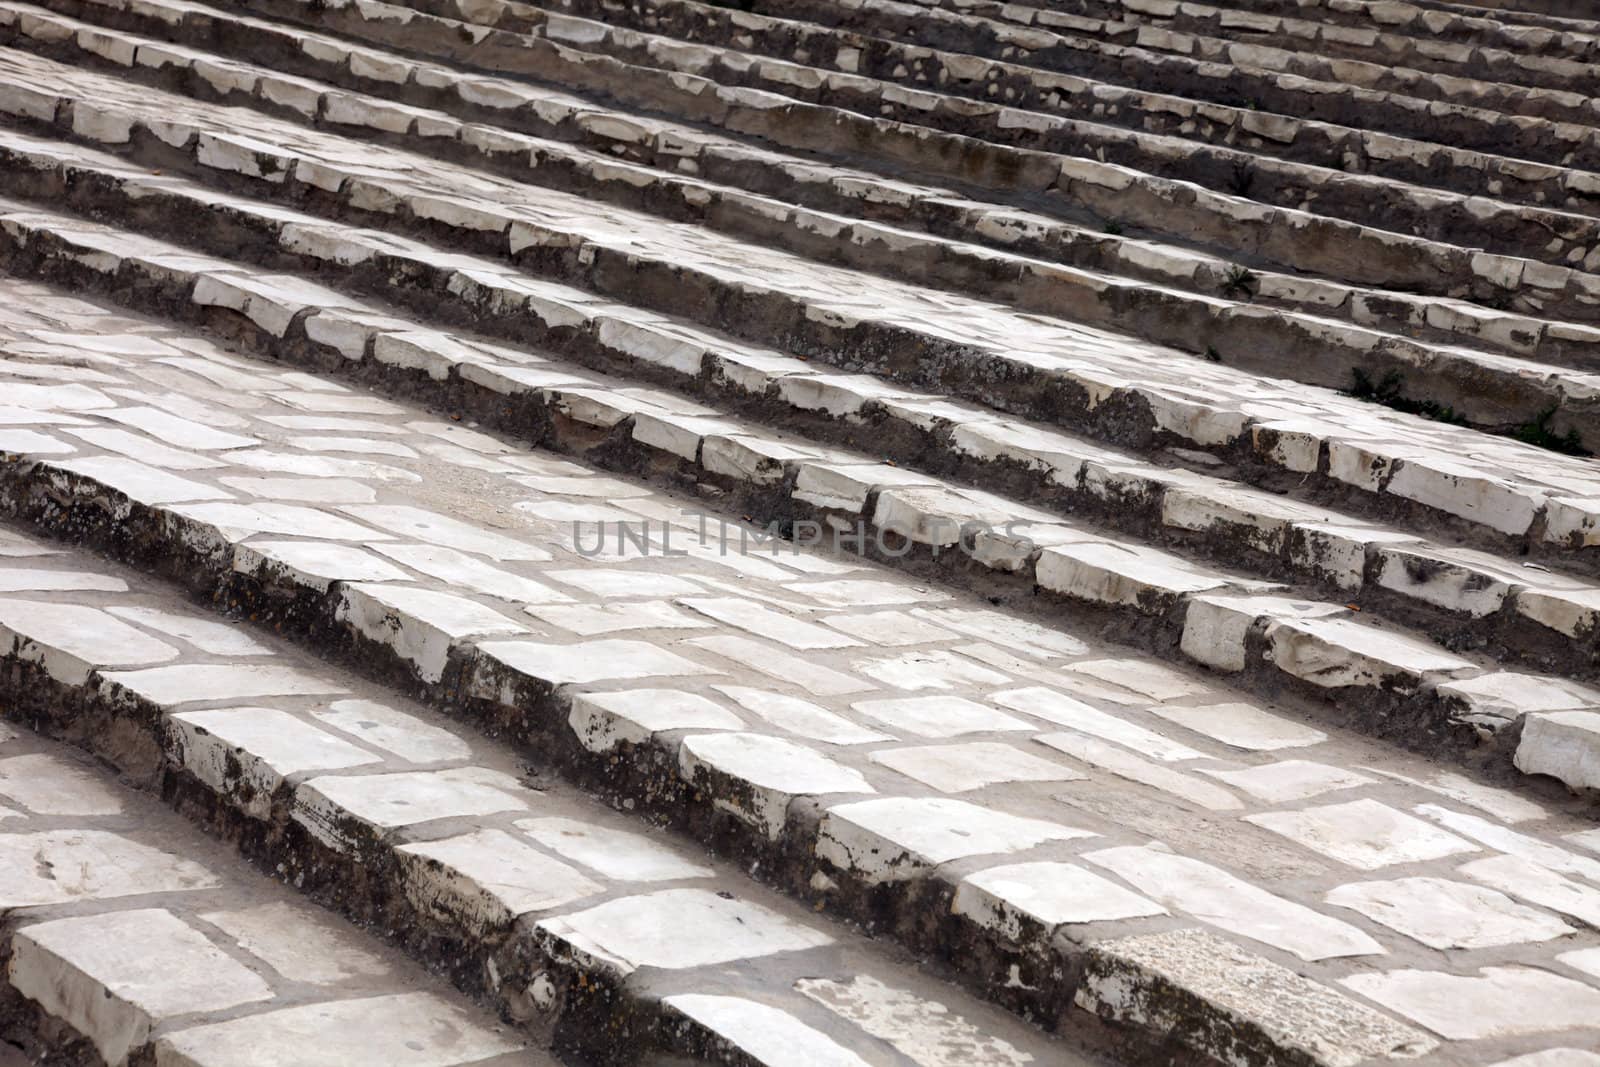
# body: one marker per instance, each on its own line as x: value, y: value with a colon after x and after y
x: 1239, y: 281
x: 1212, y: 354
x: 1538, y: 432
x: 1389, y: 391
x: 1244, y: 176
x: 1113, y: 227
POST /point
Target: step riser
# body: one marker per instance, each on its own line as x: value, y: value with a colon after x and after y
x: 1123, y: 502
x: 1016, y: 161
x: 1163, y: 316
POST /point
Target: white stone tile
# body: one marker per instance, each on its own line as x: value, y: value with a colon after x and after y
x: 60, y: 866
x: 926, y: 1032
x: 1496, y: 1002
x: 246, y: 754
x: 1050, y: 894
x: 764, y: 622
x: 29, y: 579
x: 1562, y: 744
x: 469, y: 574
x: 1125, y: 764
x: 614, y: 854
x: 768, y: 772
x: 1363, y: 834
x: 602, y: 721
x: 393, y: 731
x: 896, y: 838
x: 185, y: 683
x: 783, y: 666
x: 1512, y: 842
x: 1217, y: 897
x: 48, y: 785
x: 487, y: 878
x: 892, y: 628
x: 1290, y: 780
x: 1503, y: 804
x: 1055, y: 707
x: 380, y: 802
x: 607, y: 583
x: 590, y: 661
x: 1145, y: 677
x: 801, y: 717
x: 298, y: 943
x: 217, y: 638
x: 1537, y: 885
x: 929, y: 669
x: 937, y: 716
x: 768, y: 1035
x: 421, y: 626
x: 587, y: 620
x: 70, y: 640
x: 958, y: 768
x: 1243, y: 726
x: 443, y: 530
x: 316, y: 565
x: 1554, y: 1057
x: 116, y: 976
x: 1016, y: 635
x: 394, y: 1030
x: 1444, y: 914
x: 674, y: 929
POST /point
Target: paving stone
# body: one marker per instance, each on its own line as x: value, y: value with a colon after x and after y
x: 766, y: 1034
x: 1496, y: 1002
x: 217, y: 638
x: 192, y: 682
x: 59, y: 866
x: 329, y: 804
x: 114, y: 977
x: 801, y: 717
x: 615, y: 854
x: 460, y: 570
x: 393, y: 731
x: 1124, y: 764
x: 248, y: 754
x: 315, y: 565
x: 400, y: 1029
x: 1562, y: 744
x: 1512, y: 842
x: 602, y: 721
x: 929, y: 669
x: 674, y: 929
x: 789, y: 669
x: 298, y: 943
x: 1243, y: 726
x: 1054, y: 707
x: 924, y: 1031
x: 443, y: 530
x: 47, y: 785
x: 960, y: 768
x: 28, y: 579
x: 1212, y: 894
x: 1253, y: 1010
x: 1050, y: 894
x: 590, y: 661
x: 1538, y: 885
x: 1364, y: 834
x: 1290, y: 780
x: 937, y: 716
x: 487, y: 878
x: 766, y: 774
x: 895, y: 838
x: 421, y: 626
x: 71, y: 641
x: 1444, y: 914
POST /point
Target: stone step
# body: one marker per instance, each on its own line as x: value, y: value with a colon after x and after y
x: 128, y: 934
x: 1153, y: 596
x: 611, y: 941
x: 814, y: 190
x: 1568, y: 483
x: 1019, y: 151
x: 1401, y: 31
x: 883, y: 79
x: 837, y: 727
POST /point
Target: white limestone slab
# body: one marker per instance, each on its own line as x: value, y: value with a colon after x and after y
x: 615, y: 854
x: 783, y: 666
x: 1538, y: 885
x: 217, y: 638
x: 674, y: 929
x: 768, y: 773
x: 926, y: 1032
x: 1050, y: 894
x: 190, y: 682
x: 1562, y: 744
x: 1513, y: 842
x: 1058, y: 708
x: 1017, y: 635
x: 1242, y: 726
x: 974, y: 765
x: 394, y: 1030
x: 897, y: 838
x: 1145, y: 677
x: 768, y: 1035
x: 1496, y: 1002
x: 1217, y: 897
x: 888, y: 628
x: 49, y: 785
x: 459, y: 570
x: 609, y: 659
x: 603, y: 721
x: 60, y: 866
x: 1125, y: 764
x: 1444, y: 914
x: 487, y: 878
x: 1364, y: 834
x: 765, y: 622
x: 379, y: 802
x: 446, y: 531
x: 588, y: 620
x: 304, y: 490
x: 114, y: 977
x: 421, y: 626
x: 1503, y: 804
x: 31, y: 579
x: 315, y: 565
x: 801, y: 717
x: 937, y: 716
x: 1290, y: 780
x: 298, y: 943
x: 140, y: 483
x: 246, y: 755
x: 929, y: 669
x: 71, y: 641
x: 394, y: 731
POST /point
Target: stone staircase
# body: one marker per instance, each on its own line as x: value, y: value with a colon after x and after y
x: 800, y: 534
